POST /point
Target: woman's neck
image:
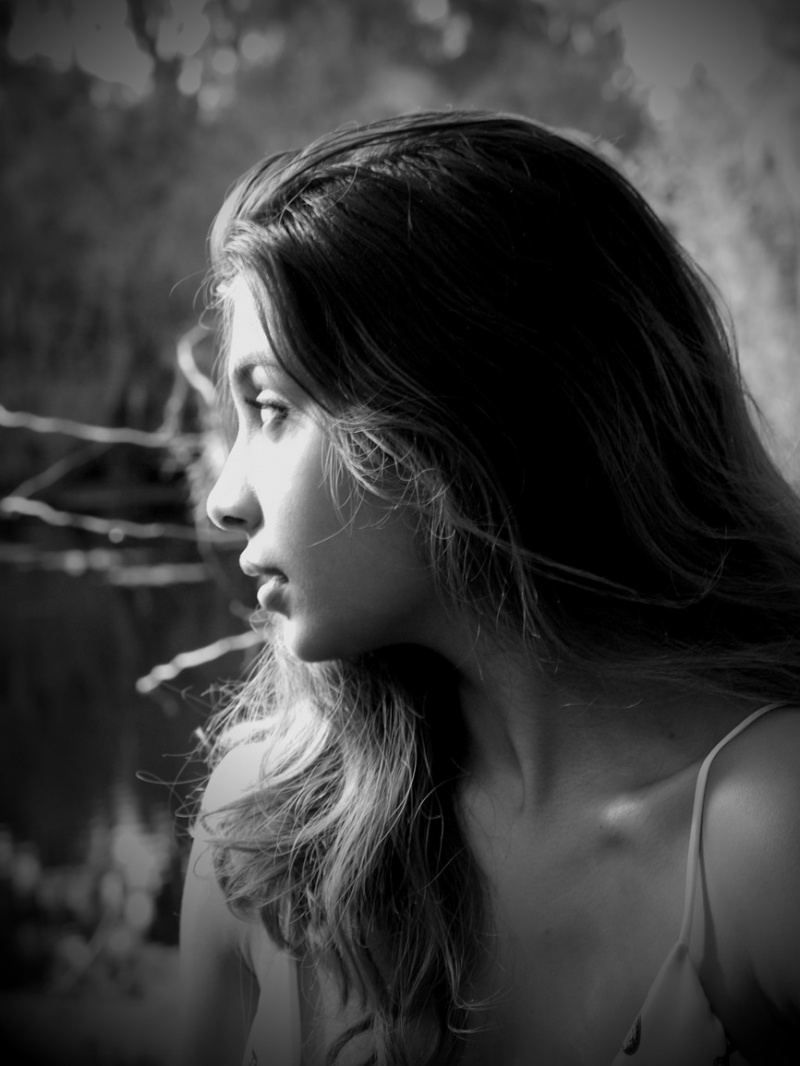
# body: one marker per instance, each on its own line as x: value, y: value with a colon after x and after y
x: 541, y: 747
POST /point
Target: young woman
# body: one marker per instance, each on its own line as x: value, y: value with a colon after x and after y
x: 516, y: 780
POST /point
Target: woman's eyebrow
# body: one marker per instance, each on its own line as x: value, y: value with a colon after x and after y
x: 242, y: 372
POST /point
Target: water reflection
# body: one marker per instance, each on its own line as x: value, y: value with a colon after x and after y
x: 83, y: 926
x: 89, y: 962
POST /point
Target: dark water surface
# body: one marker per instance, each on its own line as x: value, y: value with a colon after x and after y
x: 78, y: 742
x: 96, y: 780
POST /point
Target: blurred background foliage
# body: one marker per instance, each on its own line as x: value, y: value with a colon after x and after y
x: 121, y: 126
x: 124, y: 123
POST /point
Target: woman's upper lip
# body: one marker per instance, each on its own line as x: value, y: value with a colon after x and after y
x: 258, y: 570
x: 269, y: 574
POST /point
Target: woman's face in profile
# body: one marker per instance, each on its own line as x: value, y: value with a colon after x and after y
x: 340, y: 580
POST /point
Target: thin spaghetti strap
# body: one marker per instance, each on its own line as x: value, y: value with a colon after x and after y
x: 697, y: 819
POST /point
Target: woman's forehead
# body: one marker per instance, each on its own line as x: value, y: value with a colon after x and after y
x: 250, y: 347
x: 252, y: 358
x: 247, y: 332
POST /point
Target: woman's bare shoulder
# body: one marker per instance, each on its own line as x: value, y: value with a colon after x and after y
x: 219, y: 988
x: 239, y: 987
x: 751, y: 861
x: 754, y: 789
x: 237, y: 773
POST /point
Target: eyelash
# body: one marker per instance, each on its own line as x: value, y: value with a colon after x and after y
x: 279, y: 410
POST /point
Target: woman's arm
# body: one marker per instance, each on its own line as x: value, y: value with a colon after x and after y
x: 219, y: 992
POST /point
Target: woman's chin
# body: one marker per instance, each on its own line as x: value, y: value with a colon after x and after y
x: 302, y: 642
x: 317, y: 643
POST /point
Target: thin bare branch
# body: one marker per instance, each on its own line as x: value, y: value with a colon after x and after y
x: 99, y: 434
x: 57, y: 470
x: 159, y: 575
x: 189, y: 368
x: 115, y: 529
x: 186, y: 660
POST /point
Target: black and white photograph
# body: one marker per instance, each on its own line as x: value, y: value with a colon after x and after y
x: 400, y: 533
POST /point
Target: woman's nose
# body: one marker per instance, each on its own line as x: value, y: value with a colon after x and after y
x: 232, y: 504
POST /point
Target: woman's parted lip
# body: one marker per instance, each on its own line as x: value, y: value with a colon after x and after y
x: 269, y: 573
x: 270, y: 580
x: 270, y: 584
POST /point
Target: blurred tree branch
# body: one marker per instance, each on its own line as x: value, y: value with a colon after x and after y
x: 186, y: 660
x: 97, y: 434
x: 116, y: 529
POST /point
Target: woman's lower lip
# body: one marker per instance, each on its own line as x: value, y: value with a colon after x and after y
x: 271, y: 592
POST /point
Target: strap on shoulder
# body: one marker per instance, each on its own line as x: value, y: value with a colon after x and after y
x: 697, y: 818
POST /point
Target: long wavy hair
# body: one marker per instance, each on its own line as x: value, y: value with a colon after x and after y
x: 505, y: 340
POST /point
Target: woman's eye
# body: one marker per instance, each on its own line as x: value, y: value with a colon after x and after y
x: 272, y: 412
